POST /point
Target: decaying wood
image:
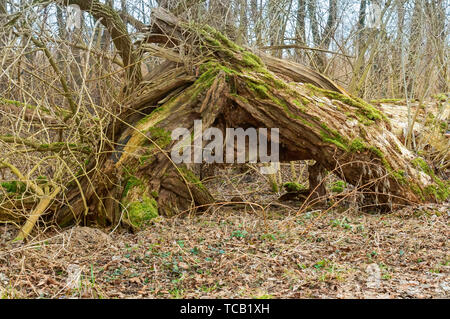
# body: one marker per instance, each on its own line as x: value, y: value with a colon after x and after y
x: 208, y: 77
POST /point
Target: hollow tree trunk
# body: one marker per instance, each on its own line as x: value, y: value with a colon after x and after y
x: 225, y: 85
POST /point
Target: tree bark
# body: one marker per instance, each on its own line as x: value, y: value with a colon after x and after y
x: 300, y: 30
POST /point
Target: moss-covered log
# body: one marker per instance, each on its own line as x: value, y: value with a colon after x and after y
x: 208, y: 77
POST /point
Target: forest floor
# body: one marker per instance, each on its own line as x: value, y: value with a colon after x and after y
x: 240, y: 252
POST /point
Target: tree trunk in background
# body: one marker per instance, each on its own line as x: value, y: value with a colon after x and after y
x: 257, y: 20
x: 322, y: 39
x: 119, y: 34
x: 225, y: 21
x: 243, y: 23
x: 328, y: 33
x: 233, y: 87
x: 60, y: 23
x: 414, y: 47
x: 361, y: 39
x: 106, y: 37
x: 3, y: 7
x: 274, y: 29
x: 397, y: 83
x: 3, y: 14
x: 124, y: 10
x: 435, y: 11
x: 300, y: 30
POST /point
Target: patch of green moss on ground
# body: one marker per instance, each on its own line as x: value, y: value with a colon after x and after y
x: 293, y: 187
x: 140, y: 212
x: 21, y: 104
x: 274, y: 186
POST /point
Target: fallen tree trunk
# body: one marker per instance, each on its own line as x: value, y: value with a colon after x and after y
x: 208, y: 77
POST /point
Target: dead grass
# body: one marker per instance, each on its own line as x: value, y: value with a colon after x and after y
x: 238, y: 252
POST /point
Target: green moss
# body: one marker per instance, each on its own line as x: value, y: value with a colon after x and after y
x: 132, y: 182
x: 222, y: 38
x: 338, y: 186
x: 438, y: 192
x: 364, y: 120
x: 206, y: 79
x: 191, y: 177
x: 255, y: 58
x: 417, y: 190
x: 243, y: 99
x: 293, y: 187
x: 332, y: 136
x: 250, y: 60
x: 422, y: 165
x: 219, y: 42
x: 277, y: 83
x: 305, y: 101
x: 440, y: 189
x: 14, y: 187
x: 144, y: 159
x: 357, y: 145
x: 376, y: 151
x: 154, y: 194
x: 327, y: 138
x: 142, y: 211
x: 441, y: 97
x: 400, y: 176
x: 365, y: 109
x: 260, y: 90
x: 152, y: 113
x: 274, y: 186
x: 300, y: 105
x: 20, y: 104
x: 160, y: 136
